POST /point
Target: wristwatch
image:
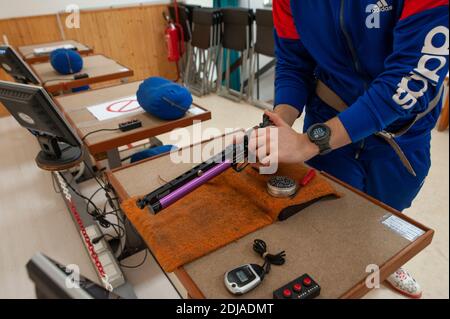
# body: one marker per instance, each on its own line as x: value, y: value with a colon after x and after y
x: 320, y: 134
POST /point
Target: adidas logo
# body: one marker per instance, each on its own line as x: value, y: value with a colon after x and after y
x: 382, y: 6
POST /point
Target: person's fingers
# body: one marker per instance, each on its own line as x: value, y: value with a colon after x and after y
x: 263, y: 140
x: 276, y: 119
x: 259, y: 132
x: 262, y: 149
x: 256, y: 135
x: 269, y: 159
x: 253, y: 145
x: 259, y: 142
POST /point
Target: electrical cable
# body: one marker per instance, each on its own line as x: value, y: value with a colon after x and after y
x: 100, y: 215
x: 97, y: 214
x: 119, y: 227
x: 105, y: 186
x: 138, y: 265
x: 97, y: 211
x: 93, y: 254
x: 122, y: 244
x: 74, y: 190
x: 98, y: 131
x: 260, y: 247
x: 97, y: 178
x: 96, y: 240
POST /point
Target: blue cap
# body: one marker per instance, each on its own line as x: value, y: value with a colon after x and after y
x: 164, y: 99
x: 66, y: 61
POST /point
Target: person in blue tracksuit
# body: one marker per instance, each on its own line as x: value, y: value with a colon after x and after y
x: 386, y: 62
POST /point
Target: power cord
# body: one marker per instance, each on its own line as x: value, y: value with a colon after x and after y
x: 96, y: 240
x: 123, y: 127
x: 138, y: 265
x: 260, y: 247
x: 100, y: 215
x: 97, y: 214
x: 98, y: 131
x: 113, y: 201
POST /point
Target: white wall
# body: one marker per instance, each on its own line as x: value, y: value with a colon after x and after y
x: 204, y: 3
x: 254, y: 4
x: 22, y: 8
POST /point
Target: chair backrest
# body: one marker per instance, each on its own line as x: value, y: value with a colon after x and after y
x: 238, y: 28
x: 265, y: 42
x: 190, y: 12
x: 205, y: 27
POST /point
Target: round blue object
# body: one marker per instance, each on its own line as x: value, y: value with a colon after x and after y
x: 151, y: 152
x: 164, y: 99
x: 66, y: 61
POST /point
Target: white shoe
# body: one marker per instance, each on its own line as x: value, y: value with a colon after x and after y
x: 404, y: 283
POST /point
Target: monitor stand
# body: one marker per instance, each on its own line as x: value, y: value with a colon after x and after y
x: 56, y: 156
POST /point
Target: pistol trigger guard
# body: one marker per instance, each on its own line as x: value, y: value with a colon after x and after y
x: 239, y: 168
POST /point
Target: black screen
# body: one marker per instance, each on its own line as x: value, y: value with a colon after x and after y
x: 50, y: 279
x: 35, y: 110
x: 15, y: 66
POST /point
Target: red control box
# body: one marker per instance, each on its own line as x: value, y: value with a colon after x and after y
x: 302, y: 288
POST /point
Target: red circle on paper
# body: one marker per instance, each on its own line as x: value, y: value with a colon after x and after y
x: 123, y: 106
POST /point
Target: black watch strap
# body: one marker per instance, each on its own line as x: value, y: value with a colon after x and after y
x: 320, y: 134
x: 324, y: 149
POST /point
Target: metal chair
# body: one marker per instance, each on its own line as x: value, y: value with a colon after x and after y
x: 201, y: 68
x: 264, y: 45
x: 237, y: 36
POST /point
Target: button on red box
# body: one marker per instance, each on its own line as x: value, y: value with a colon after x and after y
x: 287, y: 293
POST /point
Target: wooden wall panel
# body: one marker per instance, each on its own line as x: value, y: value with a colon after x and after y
x: 30, y: 30
x: 134, y: 36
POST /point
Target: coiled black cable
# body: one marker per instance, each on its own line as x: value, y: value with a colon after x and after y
x: 260, y: 247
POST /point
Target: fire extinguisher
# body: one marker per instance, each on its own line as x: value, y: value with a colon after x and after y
x: 173, y: 42
x: 174, y: 36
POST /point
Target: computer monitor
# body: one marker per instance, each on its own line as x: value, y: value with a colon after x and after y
x: 15, y: 66
x: 54, y: 281
x: 35, y: 110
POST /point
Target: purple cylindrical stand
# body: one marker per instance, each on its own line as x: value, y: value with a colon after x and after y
x: 194, y: 184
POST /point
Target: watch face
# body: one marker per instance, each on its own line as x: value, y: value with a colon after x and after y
x: 319, y: 133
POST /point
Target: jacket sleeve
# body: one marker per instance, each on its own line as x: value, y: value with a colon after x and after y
x: 413, y: 73
x: 294, y: 75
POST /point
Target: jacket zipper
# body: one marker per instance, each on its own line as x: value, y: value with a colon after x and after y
x: 355, y: 59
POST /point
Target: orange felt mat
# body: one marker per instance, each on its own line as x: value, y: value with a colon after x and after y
x: 227, y: 208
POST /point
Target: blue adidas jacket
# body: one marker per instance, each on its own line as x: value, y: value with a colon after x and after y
x: 386, y: 59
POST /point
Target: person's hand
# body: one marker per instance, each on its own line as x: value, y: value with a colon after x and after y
x: 280, y: 144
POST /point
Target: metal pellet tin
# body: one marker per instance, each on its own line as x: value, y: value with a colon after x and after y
x: 281, y: 186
